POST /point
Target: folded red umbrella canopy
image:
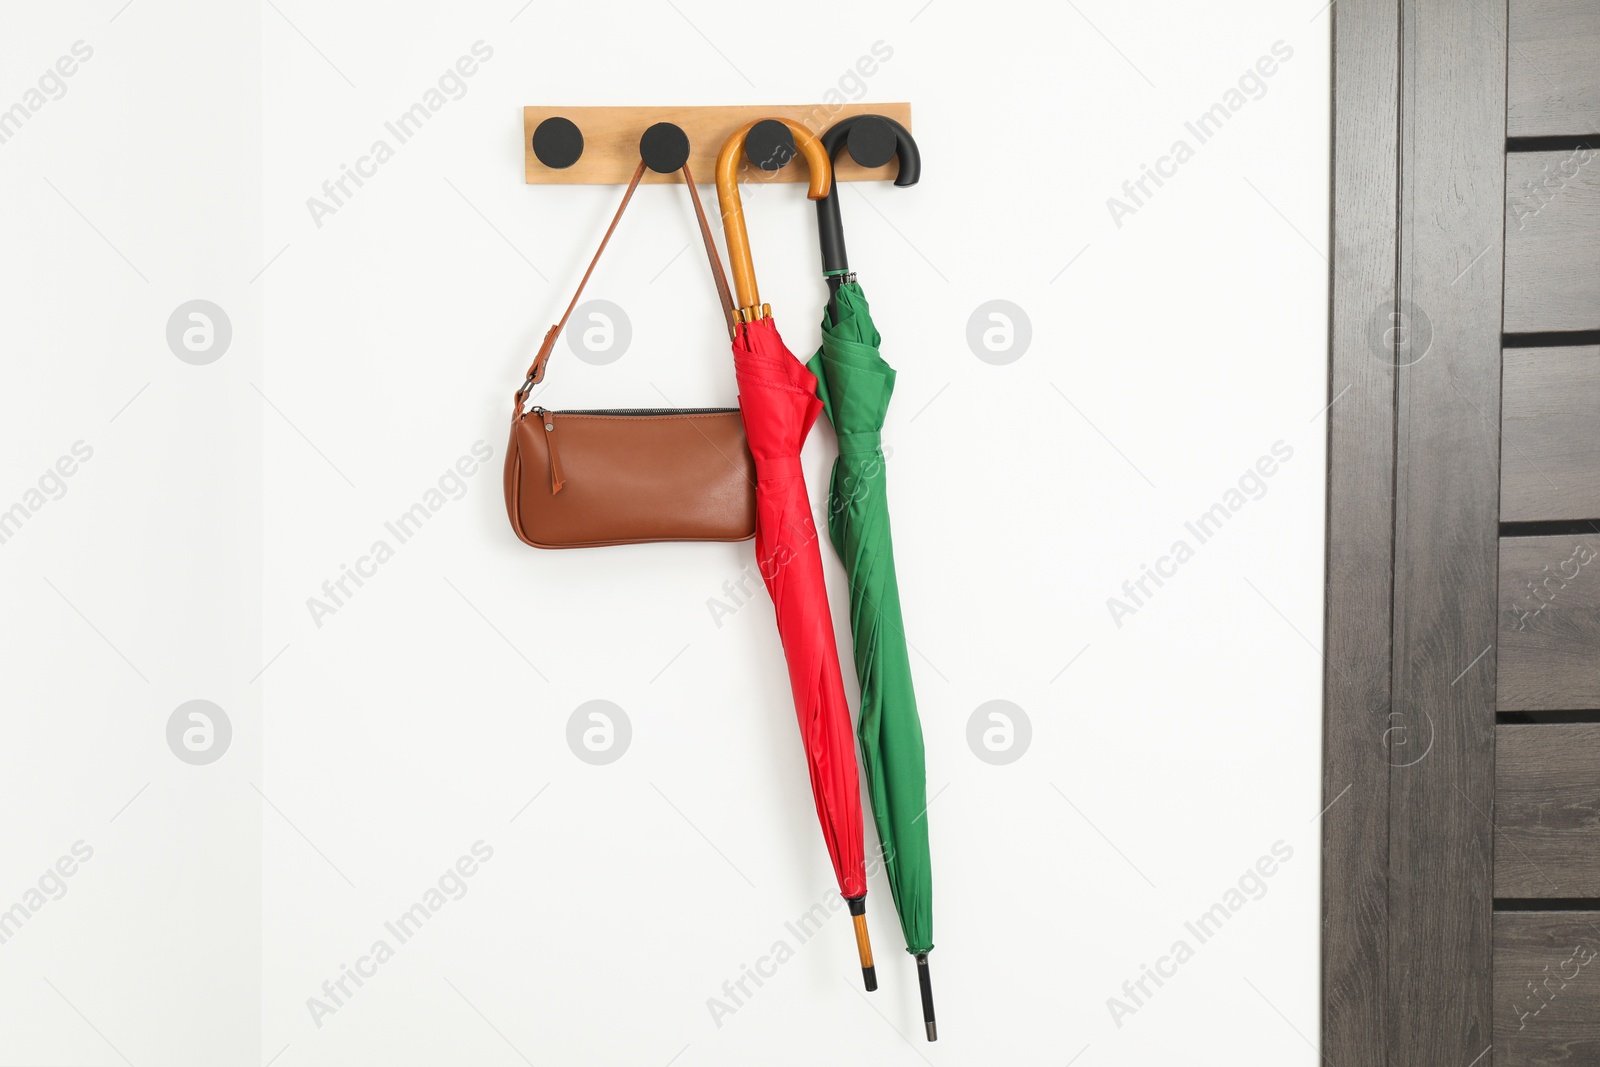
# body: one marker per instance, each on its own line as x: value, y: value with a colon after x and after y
x: 777, y: 396
x: 778, y: 399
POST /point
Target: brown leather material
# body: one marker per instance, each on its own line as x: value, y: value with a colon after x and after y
x: 542, y: 357
x: 629, y: 479
x: 536, y: 370
x: 590, y: 478
x: 717, y: 275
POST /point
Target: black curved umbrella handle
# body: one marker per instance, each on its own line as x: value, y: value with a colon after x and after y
x: 830, y: 228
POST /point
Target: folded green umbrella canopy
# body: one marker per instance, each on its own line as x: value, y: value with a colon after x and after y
x: 854, y: 384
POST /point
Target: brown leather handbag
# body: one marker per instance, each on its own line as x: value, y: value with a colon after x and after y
x: 625, y: 476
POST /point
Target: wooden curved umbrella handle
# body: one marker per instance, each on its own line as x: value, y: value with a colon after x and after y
x: 740, y: 266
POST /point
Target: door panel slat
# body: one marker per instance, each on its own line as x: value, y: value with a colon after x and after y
x: 1547, y: 809
x: 1553, y: 240
x: 1550, y: 623
x: 1550, y: 421
x: 1554, y: 83
x: 1547, y: 989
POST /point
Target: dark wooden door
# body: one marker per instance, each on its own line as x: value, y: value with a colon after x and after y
x: 1461, y: 843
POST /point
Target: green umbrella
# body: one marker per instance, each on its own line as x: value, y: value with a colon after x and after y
x: 854, y: 384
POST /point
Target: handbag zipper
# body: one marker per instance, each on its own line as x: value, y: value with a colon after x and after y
x: 547, y: 419
x: 646, y: 411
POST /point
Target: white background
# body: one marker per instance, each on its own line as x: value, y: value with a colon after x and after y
x: 1167, y: 355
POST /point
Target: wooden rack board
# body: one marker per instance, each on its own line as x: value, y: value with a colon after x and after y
x: 611, y: 139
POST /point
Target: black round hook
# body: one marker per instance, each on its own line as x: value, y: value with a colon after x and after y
x: 879, y: 137
x: 871, y: 141
x: 557, y: 142
x: 769, y: 145
x: 664, y: 148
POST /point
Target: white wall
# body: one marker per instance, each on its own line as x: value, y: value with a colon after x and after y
x: 1172, y: 347
x: 131, y: 577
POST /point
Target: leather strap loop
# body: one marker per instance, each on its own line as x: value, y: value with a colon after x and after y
x: 723, y: 292
x: 536, y: 370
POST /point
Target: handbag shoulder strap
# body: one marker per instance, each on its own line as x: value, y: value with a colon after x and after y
x: 536, y: 371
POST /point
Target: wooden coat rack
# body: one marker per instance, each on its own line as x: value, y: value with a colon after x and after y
x: 601, y: 145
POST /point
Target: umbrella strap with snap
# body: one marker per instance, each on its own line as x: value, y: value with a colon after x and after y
x: 855, y: 444
x: 724, y: 293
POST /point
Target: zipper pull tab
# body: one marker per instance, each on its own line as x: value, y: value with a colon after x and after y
x: 547, y: 419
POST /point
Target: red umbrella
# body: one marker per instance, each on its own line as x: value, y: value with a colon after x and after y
x: 778, y: 399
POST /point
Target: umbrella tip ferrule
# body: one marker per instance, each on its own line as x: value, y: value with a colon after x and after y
x: 858, y: 916
x: 925, y: 986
